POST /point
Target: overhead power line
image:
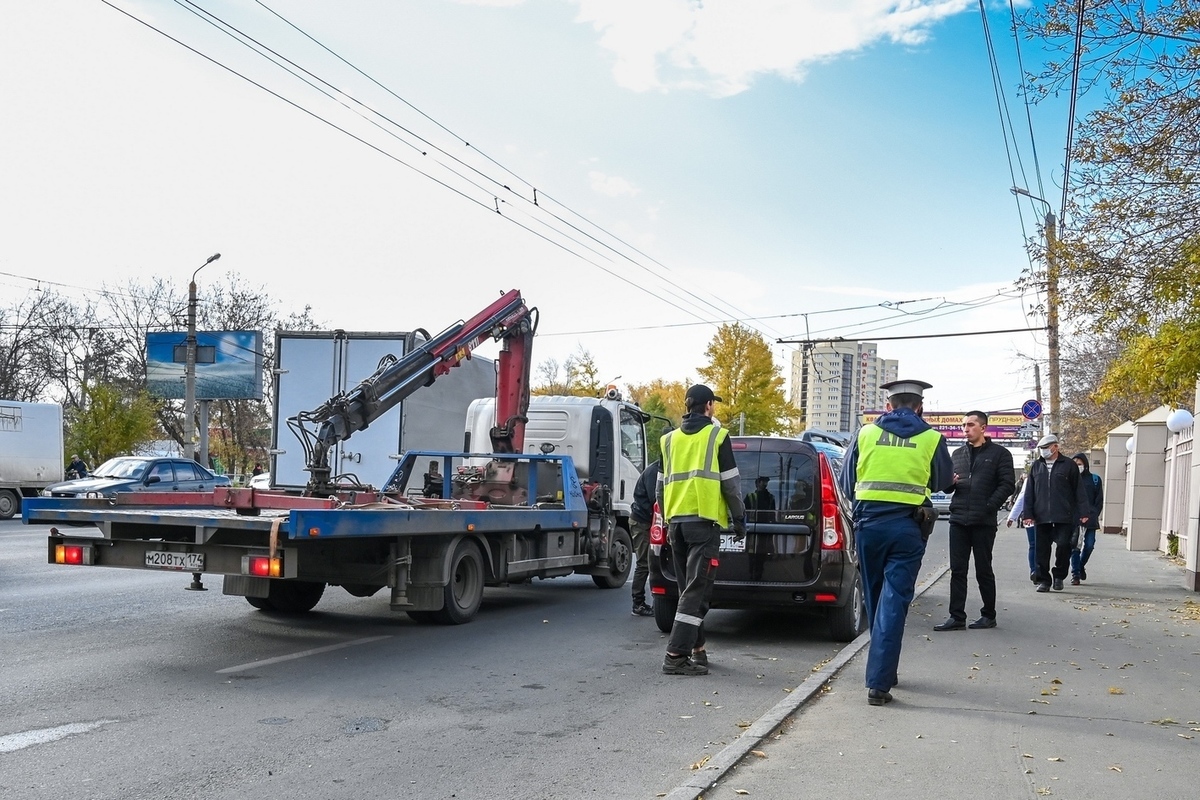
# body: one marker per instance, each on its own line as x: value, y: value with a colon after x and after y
x: 897, y: 338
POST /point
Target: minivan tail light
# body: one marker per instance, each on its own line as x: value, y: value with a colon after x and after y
x: 832, y: 535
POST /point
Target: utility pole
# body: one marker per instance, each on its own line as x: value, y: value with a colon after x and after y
x: 189, y: 370
x: 1049, y: 230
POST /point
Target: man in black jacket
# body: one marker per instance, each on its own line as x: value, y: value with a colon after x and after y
x: 1054, y: 504
x: 983, y: 480
x: 641, y: 516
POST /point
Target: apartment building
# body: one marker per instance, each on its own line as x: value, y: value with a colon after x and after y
x: 833, y: 383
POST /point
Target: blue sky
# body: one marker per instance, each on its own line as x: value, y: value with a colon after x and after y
x: 757, y: 160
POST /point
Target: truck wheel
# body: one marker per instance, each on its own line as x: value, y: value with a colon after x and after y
x: 620, y: 561
x: 464, y: 592
x: 294, y: 597
x: 664, y: 612
x: 261, y: 603
x: 846, y: 623
x: 9, y: 504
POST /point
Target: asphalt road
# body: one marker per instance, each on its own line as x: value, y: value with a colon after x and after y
x: 122, y: 684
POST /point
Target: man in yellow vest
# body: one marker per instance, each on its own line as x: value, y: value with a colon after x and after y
x: 888, y: 471
x: 699, y: 493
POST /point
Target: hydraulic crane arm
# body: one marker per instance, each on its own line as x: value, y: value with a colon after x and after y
x: 507, y: 320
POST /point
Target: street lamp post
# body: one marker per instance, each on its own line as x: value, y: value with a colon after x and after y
x: 189, y: 371
x: 1051, y: 306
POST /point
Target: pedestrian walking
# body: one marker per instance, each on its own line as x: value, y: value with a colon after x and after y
x: 889, y: 471
x: 1085, y: 535
x: 1015, y: 514
x: 641, y: 515
x: 1053, y: 499
x: 698, y: 494
x: 983, y: 480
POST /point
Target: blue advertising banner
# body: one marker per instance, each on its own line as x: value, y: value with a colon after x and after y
x: 229, y: 364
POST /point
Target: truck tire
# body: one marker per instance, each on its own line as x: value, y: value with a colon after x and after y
x: 10, y: 504
x: 846, y: 623
x: 620, y: 561
x: 290, y: 597
x: 464, y: 590
x: 664, y: 612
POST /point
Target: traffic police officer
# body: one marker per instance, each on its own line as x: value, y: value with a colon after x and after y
x: 888, y: 471
x: 698, y: 491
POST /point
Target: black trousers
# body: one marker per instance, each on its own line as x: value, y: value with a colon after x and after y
x: 1057, y: 534
x: 967, y: 541
x: 695, y: 547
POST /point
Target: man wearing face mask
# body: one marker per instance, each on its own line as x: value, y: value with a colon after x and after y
x: 1055, y: 504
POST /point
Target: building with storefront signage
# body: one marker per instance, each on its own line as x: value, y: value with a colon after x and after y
x: 834, y: 383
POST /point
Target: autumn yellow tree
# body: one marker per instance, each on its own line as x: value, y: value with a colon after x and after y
x: 742, y: 371
x: 663, y: 400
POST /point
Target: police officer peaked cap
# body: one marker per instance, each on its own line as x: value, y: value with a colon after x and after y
x: 700, y: 394
x: 906, y: 387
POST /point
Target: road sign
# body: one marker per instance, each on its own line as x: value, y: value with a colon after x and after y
x: 1032, y: 409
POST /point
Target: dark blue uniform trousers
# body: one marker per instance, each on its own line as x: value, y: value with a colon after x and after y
x: 889, y: 554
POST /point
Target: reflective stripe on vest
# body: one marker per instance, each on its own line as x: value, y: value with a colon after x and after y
x: 691, y: 476
x: 893, y: 469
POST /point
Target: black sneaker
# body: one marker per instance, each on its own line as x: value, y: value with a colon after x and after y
x: 1043, y: 587
x: 1074, y: 580
x: 700, y: 658
x: 878, y: 698
x: 642, y: 610
x: 1082, y: 574
x: 1058, y: 587
x: 1033, y: 577
x: 682, y: 665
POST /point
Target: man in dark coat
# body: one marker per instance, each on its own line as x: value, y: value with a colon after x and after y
x: 1053, y: 502
x: 641, y: 516
x: 983, y: 481
x: 1085, y: 537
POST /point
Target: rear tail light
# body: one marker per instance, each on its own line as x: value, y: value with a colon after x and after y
x: 75, y: 554
x: 658, y: 535
x: 832, y: 535
x: 262, y: 566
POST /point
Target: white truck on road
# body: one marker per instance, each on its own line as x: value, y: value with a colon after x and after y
x: 31, y: 451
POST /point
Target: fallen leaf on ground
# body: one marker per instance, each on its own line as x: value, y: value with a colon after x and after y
x: 1057, y: 681
x: 1043, y: 702
x: 1115, y: 767
x: 1054, y: 758
x: 700, y: 764
x: 1026, y: 755
x: 758, y: 753
x: 740, y: 791
x: 1115, y: 690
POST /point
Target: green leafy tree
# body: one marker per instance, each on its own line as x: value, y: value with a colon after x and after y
x: 742, y: 370
x: 1128, y: 256
x: 664, y: 401
x: 111, y: 423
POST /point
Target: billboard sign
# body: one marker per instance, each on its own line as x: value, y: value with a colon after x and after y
x: 1006, y: 429
x: 229, y: 364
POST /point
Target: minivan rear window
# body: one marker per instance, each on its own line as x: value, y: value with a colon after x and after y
x: 789, y: 493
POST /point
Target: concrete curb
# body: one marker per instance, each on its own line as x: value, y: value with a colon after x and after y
x: 703, y: 779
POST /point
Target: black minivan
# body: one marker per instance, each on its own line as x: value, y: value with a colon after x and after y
x: 798, y: 554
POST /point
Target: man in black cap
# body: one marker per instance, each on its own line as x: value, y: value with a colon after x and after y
x: 698, y: 493
x: 888, y: 471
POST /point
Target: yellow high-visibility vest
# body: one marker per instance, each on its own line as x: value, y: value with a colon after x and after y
x: 893, y: 469
x: 691, y: 476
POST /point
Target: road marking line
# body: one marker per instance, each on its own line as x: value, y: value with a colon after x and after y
x: 19, y: 741
x: 302, y: 654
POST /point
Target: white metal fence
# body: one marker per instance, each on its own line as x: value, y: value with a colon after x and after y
x: 1178, y: 459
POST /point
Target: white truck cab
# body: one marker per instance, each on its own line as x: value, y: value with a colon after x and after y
x: 606, y: 437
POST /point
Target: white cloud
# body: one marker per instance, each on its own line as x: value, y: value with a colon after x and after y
x: 611, y: 186
x: 721, y: 46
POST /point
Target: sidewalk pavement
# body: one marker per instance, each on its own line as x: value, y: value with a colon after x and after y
x: 1092, y: 692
